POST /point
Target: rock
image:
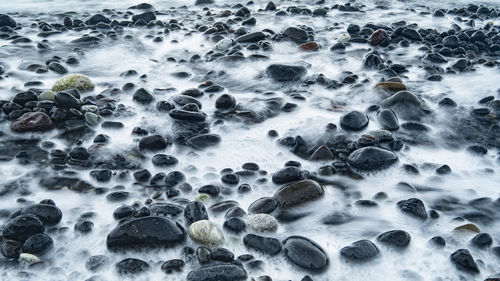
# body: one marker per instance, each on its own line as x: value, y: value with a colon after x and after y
x: 132, y: 266
x: 143, y: 96
x: 482, y: 240
x: 297, y: 193
x: 96, y: 19
x: 32, y: 122
x: 58, y: 67
x: 469, y: 227
x: 413, y: 207
x: 147, y: 17
x: 354, y: 121
x: 267, y: 245
x: 360, y: 251
x: 149, y: 231
x: 204, y: 141
x: 6, y: 20
x: 47, y: 95
x: 323, y: 153
x: 391, y: 86
x: 450, y: 41
x: 305, y: 253
x: 388, y: 120
x: 172, y: 265
x: 195, y: 211
x: 464, y: 261
x: 286, y: 175
x: 235, y: 225
x: 203, y: 2
x: 344, y: 38
x: 309, y: 46
x: 221, y: 254
x: 38, y: 244
x: 295, y: 34
x: 285, y: 73
x: 48, y: 214
x: 153, y: 143
x: 253, y: 37
x: 377, y: 37
x: 66, y: 100
x: 28, y: 258
x: 412, y: 34
x: 371, y: 158
x: 188, y: 116
x: 223, y: 44
x: 91, y: 118
x: 225, y: 102
x: 262, y: 223
x: 337, y: 218
x: 73, y: 81
x: 24, y: 97
x: 223, y: 272
x: 264, y: 205
x: 96, y: 263
x: 395, y: 238
x: 206, y: 232
x: 22, y: 227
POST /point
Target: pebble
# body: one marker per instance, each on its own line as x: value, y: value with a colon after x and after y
x: 224, y: 272
x: 262, y: 223
x: 360, y: 251
x: 73, y: 81
x: 413, y: 207
x: 132, y: 266
x: 298, y: 193
x: 305, y: 253
x: 464, y: 261
x: 395, y: 238
x: 372, y: 158
x: 206, y: 232
x: 267, y: 245
x: 354, y: 121
x: 32, y: 122
x: 285, y: 73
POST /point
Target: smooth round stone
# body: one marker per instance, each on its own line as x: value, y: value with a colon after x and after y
x: 153, y: 143
x: 204, y: 141
x: 195, y: 211
x: 235, y: 224
x: 66, y: 100
x: 47, y: 95
x: 354, y: 121
x: 451, y: 41
x: 360, y: 251
x: 91, y: 118
x: 388, y: 119
x: 223, y: 44
x: 48, y: 214
x: 96, y: 263
x: 298, y: 193
x: 73, y: 81
x: 264, y: 205
x: 285, y: 73
x: 464, y: 261
x: 132, y: 266
x: 262, y: 223
x: 323, y: 153
x: 172, y: 265
x: 413, y: 207
x: 305, y: 253
x: 32, y: 122
x: 150, y: 231
x: 482, y: 240
x: 286, y: 175
x: 22, y: 227
x: 221, y: 254
x: 267, y: 245
x: 206, y: 232
x: 395, y: 238
x: 143, y: 96
x: 371, y: 158
x: 38, y: 244
x: 223, y: 272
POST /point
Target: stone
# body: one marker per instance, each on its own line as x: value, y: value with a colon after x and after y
x: 395, y: 238
x: 377, y: 37
x: 354, y: 121
x: 152, y: 231
x: 97, y: 262
x: 323, y: 153
x: 371, y: 158
x: 413, y: 207
x: 464, y: 261
x: 96, y: 19
x: 223, y: 44
x: 309, y: 46
x: 450, y: 41
x: 38, y: 244
x: 195, y: 211
x: 132, y: 266
x: 58, y: 67
x: 66, y: 100
x: 262, y: 223
x: 235, y: 225
x: 253, y: 37
x: 388, y: 119
x: 286, y: 175
x: 32, y: 122
x: 143, y: 96
x: 48, y: 214
x: 285, y: 73
x: 147, y: 17
x: 73, y: 81
x: 22, y: 227
x: 305, y: 253
x: 187, y: 116
x: 295, y: 34
x: 298, y: 193
x: 337, y: 218
x: 223, y: 272
x: 153, y: 143
x: 6, y: 20
x: 172, y: 265
x: 28, y: 258
x: 205, y: 140
x: 47, y: 95
x: 24, y: 97
x: 203, y: 2
x: 267, y: 245
x: 391, y: 86
x: 206, y: 232
x: 360, y: 251
x: 221, y: 254
x: 469, y: 227
x: 225, y: 102
x: 264, y: 205
x: 482, y: 240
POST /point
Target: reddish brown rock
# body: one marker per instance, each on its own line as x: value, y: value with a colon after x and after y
x: 377, y: 37
x: 309, y: 46
x: 31, y: 122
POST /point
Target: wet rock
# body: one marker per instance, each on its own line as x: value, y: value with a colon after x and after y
x: 413, y: 207
x: 162, y: 160
x: 153, y: 143
x: 412, y: 34
x: 438, y: 241
x: 96, y: 19
x: 371, y: 158
x: 264, y: 205
x: 32, y: 122
x: 147, y: 17
x: 464, y: 261
x: 96, y: 263
x: 143, y: 96
x: 22, y: 227
x: 38, y: 244
x: 309, y: 46
x: 146, y: 232
x: 295, y: 34
x: 132, y: 266
x: 285, y: 73
x: 6, y: 20
x: 337, y: 218
x: 253, y: 37
x: 204, y: 141
x: 58, y: 67
x: 395, y: 238
x: 377, y: 37
x: 12, y: 249
x: 187, y: 116
x: 450, y: 41
x: 221, y: 254
x: 323, y: 153
x: 262, y: 223
x: 297, y: 193
x: 388, y: 120
x: 225, y: 102
x: 195, y: 211
x: 391, y: 86
x: 24, y: 97
x: 354, y: 121
x: 172, y: 265
x: 360, y: 251
x: 482, y: 240
x: 287, y: 175
x: 203, y: 2
x: 73, y: 81
x: 267, y: 245
x: 224, y: 272
x: 206, y: 232
x: 305, y: 253
x: 48, y: 214
x: 469, y: 227
x: 235, y: 224
x: 66, y: 100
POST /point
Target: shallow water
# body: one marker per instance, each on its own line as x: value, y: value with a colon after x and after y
x: 473, y: 176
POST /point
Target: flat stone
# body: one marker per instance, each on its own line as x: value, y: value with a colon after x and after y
x: 305, y: 253
x: 224, y: 272
x: 371, y: 158
x: 32, y: 122
x: 267, y: 245
x: 298, y: 193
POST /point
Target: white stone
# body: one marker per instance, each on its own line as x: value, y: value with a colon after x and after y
x: 206, y: 232
x: 262, y: 223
